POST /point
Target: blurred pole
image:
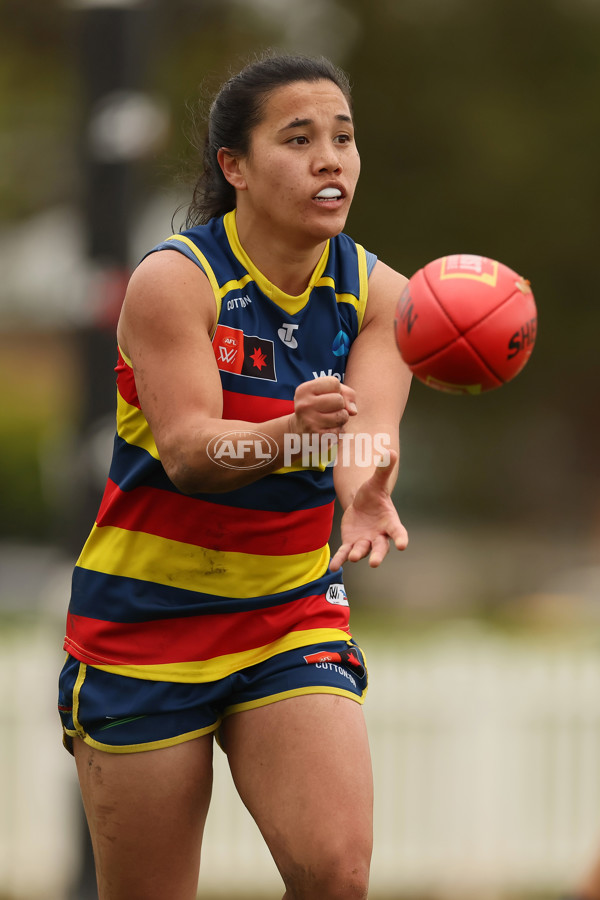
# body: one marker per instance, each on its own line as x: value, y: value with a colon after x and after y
x: 119, y: 126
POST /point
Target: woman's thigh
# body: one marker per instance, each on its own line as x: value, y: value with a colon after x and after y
x: 302, y: 767
x: 146, y: 813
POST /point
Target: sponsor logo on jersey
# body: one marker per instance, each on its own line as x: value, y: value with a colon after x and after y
x: 286, y: 334
x: 244, y: 354
x: 238, y: 302
x: 336, y: 594
x: 341, y: 344
x: 324, y: 374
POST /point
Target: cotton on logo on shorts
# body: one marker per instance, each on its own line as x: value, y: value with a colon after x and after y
x: 242, y: 449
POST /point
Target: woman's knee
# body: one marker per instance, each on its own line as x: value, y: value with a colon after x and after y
x: 341, y: 877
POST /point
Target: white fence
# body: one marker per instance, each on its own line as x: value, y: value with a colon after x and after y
x: 486, y: 754
x: 38, y: 804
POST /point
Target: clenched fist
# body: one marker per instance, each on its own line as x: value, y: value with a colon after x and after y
x: 322, y: 406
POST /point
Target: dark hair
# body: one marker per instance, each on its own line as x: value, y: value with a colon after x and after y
x: 235, y: 111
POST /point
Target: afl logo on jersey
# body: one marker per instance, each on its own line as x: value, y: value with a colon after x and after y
x: 341, y: 344
x: 244, y: 354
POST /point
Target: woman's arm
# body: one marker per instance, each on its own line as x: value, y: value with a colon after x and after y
x: 381, y: 383
x: 165, y: 328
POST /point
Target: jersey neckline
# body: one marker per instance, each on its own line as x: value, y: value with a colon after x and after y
x: 288, y: 302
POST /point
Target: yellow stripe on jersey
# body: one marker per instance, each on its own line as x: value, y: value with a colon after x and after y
x: 133, y: 427
x: 327, y: 281
x: 363, y: 279
x: 222, y: 666
x: 125, y: 357
x: 359, y: 303
x: 148, y: 557
x: 235, y: 284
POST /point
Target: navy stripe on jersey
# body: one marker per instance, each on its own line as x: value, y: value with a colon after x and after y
x: 303, y: 489
x: 129, y: 600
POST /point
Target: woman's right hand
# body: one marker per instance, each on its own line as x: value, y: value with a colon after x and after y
x: 322, y: 406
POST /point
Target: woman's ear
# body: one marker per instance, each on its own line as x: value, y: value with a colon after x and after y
x: 231, y: 168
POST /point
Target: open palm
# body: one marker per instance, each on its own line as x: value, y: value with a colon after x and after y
x: 370, y: 522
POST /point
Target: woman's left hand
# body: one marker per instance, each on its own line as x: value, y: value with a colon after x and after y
x: 370, y: 522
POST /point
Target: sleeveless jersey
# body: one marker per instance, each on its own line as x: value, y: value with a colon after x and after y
x: 189, y: 588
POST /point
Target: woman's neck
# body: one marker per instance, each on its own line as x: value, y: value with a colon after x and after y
x: 287, y: 266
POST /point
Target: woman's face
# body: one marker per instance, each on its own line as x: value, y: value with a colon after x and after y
x: 301, y: 171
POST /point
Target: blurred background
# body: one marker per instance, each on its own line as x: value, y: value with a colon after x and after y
x: 479, y: 130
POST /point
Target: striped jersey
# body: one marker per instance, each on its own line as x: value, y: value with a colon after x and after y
x: 192, y: 588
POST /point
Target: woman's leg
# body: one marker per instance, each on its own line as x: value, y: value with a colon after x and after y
x: 302, y: 767
x: 146, y: 813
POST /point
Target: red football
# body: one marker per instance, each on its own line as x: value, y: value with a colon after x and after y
x: 466, y: 324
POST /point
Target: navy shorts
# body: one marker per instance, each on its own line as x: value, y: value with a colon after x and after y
x: 120, y: 714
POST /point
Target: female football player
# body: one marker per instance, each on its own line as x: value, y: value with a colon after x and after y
x: 205, y: 603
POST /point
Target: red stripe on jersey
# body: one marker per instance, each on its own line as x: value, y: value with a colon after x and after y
x: 197, y: 638
x: 178, y: 517
x: 126, y: 382
x: 254, y: 409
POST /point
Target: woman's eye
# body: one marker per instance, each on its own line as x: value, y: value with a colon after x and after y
x: 299, y: 139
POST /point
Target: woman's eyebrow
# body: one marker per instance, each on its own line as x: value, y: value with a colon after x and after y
x: 303, y: 123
